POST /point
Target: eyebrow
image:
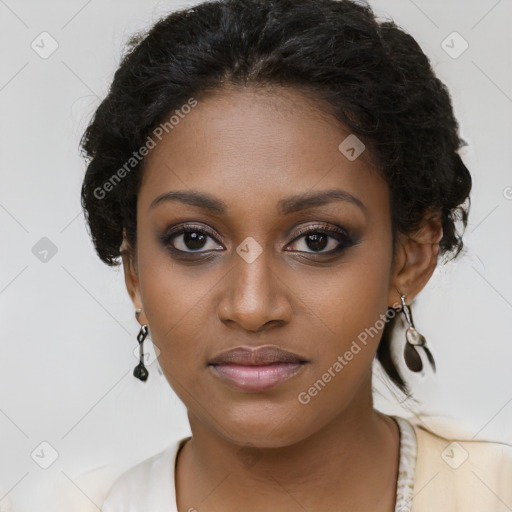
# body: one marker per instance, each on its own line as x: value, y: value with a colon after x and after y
x: 285, y: 206
x: 313, y: 199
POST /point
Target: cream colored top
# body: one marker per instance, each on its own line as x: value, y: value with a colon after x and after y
x: 435, y: 474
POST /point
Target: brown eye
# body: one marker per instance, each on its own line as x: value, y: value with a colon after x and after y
x: 322, y: 240
x: 190, y: 239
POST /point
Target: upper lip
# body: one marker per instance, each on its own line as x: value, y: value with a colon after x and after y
x: 250, y: 356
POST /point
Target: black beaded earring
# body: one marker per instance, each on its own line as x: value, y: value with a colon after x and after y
x: 140, y: 371
x: 414, y: 341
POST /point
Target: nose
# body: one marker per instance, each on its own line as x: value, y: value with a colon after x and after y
x: 255, y: 297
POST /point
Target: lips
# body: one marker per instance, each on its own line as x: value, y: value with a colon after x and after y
x: 256, y: 369
x: 259, y: 356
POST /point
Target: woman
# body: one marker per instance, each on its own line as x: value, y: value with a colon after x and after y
x: 280, y: 179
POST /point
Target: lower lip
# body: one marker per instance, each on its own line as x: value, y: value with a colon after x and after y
x: 256, y: 378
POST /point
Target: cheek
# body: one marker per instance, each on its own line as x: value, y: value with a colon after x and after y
x: 350, y: 311
x: 176, y: 315
x: 355, y: 305
x: 177, y: 301
x: 352, y: 297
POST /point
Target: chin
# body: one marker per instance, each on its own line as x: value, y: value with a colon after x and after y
x: 255, y: 429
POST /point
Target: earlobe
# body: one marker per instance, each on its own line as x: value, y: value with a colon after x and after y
x: 416, y: 260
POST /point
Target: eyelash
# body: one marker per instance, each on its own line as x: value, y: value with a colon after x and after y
x: 342, y: 236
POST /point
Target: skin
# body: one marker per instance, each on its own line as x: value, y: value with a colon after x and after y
x: 266, y: 451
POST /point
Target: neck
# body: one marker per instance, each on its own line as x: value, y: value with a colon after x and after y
x: 355, y: 454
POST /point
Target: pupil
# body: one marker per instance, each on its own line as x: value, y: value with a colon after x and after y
x: 193, y: 240
x: 318, y: 241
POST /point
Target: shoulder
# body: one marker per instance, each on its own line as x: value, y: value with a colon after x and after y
x: 146, y: 485
x: 134, y: 482
x: 114, y: 488
x: 455, y: 451
x: 456, y: 472
x: 85, y: 492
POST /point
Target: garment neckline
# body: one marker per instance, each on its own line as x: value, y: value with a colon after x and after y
x: 406, y: 465
x: 151, y: 484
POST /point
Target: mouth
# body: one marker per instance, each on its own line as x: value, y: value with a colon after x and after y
x: 256, y: 369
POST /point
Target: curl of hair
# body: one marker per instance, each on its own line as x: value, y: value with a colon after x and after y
x: 374, y: 77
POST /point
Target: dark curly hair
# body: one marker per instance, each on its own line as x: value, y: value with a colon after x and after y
x: 373, y: 75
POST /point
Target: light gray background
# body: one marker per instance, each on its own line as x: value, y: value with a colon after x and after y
x: 68, y: 328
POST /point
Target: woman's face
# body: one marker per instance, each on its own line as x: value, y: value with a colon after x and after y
x: 246, y: 274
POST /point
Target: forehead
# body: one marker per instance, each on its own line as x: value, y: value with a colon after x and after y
x: 254, y: 147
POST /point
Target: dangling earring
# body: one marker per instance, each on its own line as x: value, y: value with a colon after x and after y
x: 140, y: 371
x: 414, y: 341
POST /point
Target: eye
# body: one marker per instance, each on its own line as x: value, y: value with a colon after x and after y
x: 322, y: 239
x: 190, y: 239
x: 319, y: 239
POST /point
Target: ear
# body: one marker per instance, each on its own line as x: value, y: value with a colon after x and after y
x: 131, y: 277
x: 415, y: 260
